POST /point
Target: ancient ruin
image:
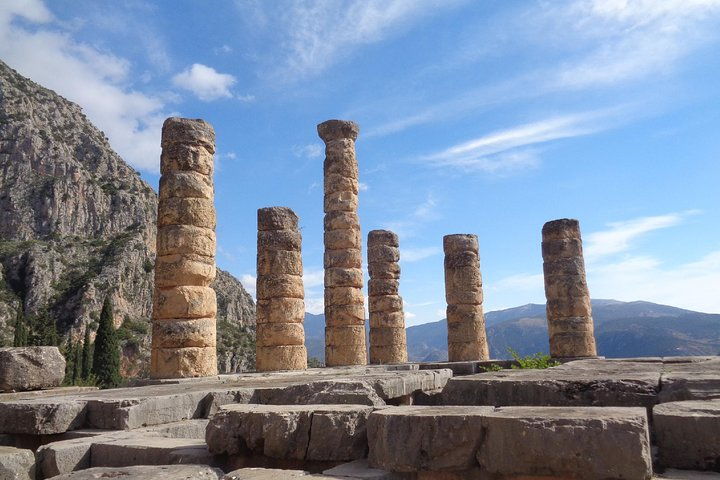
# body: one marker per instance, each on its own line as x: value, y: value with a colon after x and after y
x: 280, y: 308
x: 388, y: 343
x: 464, y: 295
x: 344, y: 301
x: 569, y: 314
x: 184, y: 305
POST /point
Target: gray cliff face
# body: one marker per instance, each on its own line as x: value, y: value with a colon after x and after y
x: 76, y: 222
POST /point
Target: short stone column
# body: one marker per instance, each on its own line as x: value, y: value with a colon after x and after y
x: 388, y: 342
x: 344, y: 301
x: 569, y: 314
x: 184, y: 304
x: 280, y: 308
x: 463, y: 292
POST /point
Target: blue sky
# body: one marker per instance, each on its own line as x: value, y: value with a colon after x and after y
x: 475, y: 117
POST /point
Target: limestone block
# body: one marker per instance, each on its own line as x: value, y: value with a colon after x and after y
x: 583, y: 442
x: 143, y: 410
x: 340, y: 202
x: 341, y: 221
x: 63, y: 457
x: 184, y: 269
x: 385, y: 303
x: 17, y: 464
x: 465, y: 351
x: 394, y: 319
x: 183, y: 332
x: 175, y: 239
x: 564, y: 247
x: 30, y: 368
x: 571, y: 325
x: 347, y: 258
x: 342, y: 239
x: 277, y: 262
x: 336, y: 355
x: 336, y: 182
x: 333, y: 130
x: 383, y: 286
x: 42, y: 416
x: 187, y: 158
x: 384, y: 270
x: 460, y: 242
x: 463, y: 285
x: 273, y: 286
x: 387, y: 336
x: 276, y: 334
x: 277, y: 218
x: 279, y: 240
x: 562, y: 229
x: 569, y: 307
x: 184, y: 302
x: 284, y: 357
x: 467, y: 313
x: 361, y: 470
x: 280, y: 310
x: 385, y: 354
x: 344, y: 315
x: 338, y: 434
x: 461, y: 332
x: 383, y: 237
x: 343, y: 296
x: 574, y: 266
x: 146, y: 472
x: 461, y: 259
x: 326, y: 392
x: 255, y: 473
x: 345, y: 335
x: 687, y: 434
x: 566, y: 286
x: 464, y: 297
x: 343, y: 277
x: 433, y: 438
x: 138, y: 450
x: 199, y: 212
x: 340, y: 158
x: 383, y: 253
x: 693, y: 380
x: 183, y: 362
x: 183, y: 131
x: 186, y: 185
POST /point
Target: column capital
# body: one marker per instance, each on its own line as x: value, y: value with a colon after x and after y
x: 338, y: 129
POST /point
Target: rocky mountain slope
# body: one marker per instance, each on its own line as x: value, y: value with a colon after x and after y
x: 77, y: 223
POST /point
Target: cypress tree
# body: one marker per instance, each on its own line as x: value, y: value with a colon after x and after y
x: 77, y: 363
x: 20, y: 339
x: 86, y: 355
x: 106, y: 357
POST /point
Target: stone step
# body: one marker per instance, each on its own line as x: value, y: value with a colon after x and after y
x: 146, y: 472
x: 672, y: 474
x: 275, y: 474
x: 687, y: 434
x: 17, y: 464
x: 298, y: 432
x: 146, y: 450
x: 508, y: 442
x: 695, y: 378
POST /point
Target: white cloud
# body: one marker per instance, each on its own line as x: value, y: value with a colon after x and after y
x: 315, y: 305
x: 363, y: 187
x: 313, y: 277
x: 96, y: 80
x: 205, y: 82
x: 312, y: 150
x: 249, y: 281
x: 408, y: 255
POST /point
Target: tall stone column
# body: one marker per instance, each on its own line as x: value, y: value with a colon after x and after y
x: 280, y: 309
x: 569, y: 315
x: 463, y: 292
x: 344, y: 302
x: 388, y: 342
x: 184, y: 305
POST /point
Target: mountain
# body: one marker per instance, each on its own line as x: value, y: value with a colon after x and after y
x: 78, y: 224
x: 622, y: 329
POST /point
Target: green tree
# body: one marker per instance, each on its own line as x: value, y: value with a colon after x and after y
x: 87, y: 355
x: 43, y: 330
x: 20, y: 339
x: 106, y: 357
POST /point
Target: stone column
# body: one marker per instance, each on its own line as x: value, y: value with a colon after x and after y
x: 280, y: 310
x: 388, y: 343
x: 344, y: 302
x: 463, y: 292
x: 569, y: 315
x: 184, y: 305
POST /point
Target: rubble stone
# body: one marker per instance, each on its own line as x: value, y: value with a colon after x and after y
x: 16, y: 464
x: 30, y: 368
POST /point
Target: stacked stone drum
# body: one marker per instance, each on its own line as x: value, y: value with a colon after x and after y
x: 569, y: 315
x: 184, y: 305
x: 344, y: 301
x: 388, y: 343
x: 280, y: 343
x: 463, y: 291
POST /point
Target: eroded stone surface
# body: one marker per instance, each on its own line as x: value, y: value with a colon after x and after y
x: 690, y: 379
x: 146, y: 472
x: 30, y: 368
x: 688, y: 434
x: 16, y: 464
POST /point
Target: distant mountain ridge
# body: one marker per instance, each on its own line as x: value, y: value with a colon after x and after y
x: 622, y: 329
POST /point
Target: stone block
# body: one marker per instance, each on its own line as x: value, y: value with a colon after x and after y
x: 344, y: 296
x: 30, y: 368
x: 273, y: 286
x: 279, y: 262
x: 460, y: 243
x: 255, y: 473
x: 146, y: 472
x: 187, y: 131
x: 561, y: 229
x: 275, y: 334
x: 569, y: 307
x: 386, y: 354
x: 385, y: 303
x: 687, y: 434
x: 334, y: 130
x: 326, y: 392
x: 563, y: 247
x: 384, y: 270
x: 142, y: 411
x: 340, y: 355
x: 433, y: 438
x: 690, y: 380
x: 459, y: 314
x: 570, y: 325
x: 280, y: 310
x: 571, y: 266
x: 42, y: 416
x: 383, y: 237
x: 346, y: 258
x: 183, y: 333
x: 183, y: 362
x: 199, y: 212
x: 464, y: 332
x: 186, y: 158
x: 342, y: 239
x: 584, y: 442
x: 345, y: 201
x: 383, y: 253
x: 277, y: 218
x: 468, y: 351
x: 566, y: 286
x: 387, y: 336
x: 63, y: 457
x: 273, y: 240
x: 284, y: 357
x: 17, y: 464
x: 184, y: 269
x: 186, y: 184
x: 343, y: 277
x: 394, y: 319
x: 138, y: 450
x: 344, y: 315
x: 341, y: 221
x: 466, y: 259
x: 336, y: 182
x: 184, y: 302
x: 345, y: 335
x: 383, y: 286
x: 180, y: 239
x: 359, y: 469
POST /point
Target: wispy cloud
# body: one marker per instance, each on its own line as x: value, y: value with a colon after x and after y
x: 409, y: 255
x: 205, y: 82
x: 249, y: 281
x: 425, y: 212
x: 311, y: 150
